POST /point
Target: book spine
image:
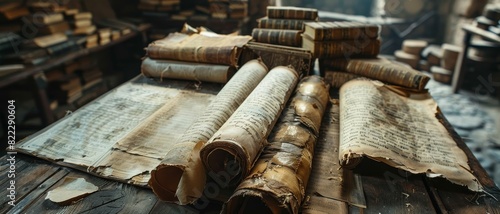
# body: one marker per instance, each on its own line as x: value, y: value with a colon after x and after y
x: 346, y: 33
x: 279, y: 13
x: 278, y: 37
x: 347, y: 48
x: 62, y: 48
x: 290, y: 24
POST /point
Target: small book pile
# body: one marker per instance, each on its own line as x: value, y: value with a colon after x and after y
x: 159, y: 5
x: 82, y: 23
x: 489, y: 19
x: 223, y: 9
x: 341, y: 39
x: 284, y: 25
x: 198, y: 56
x: 11, y: 11
x: 439, y: 60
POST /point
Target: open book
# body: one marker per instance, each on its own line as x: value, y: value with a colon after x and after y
x: 403, y: 132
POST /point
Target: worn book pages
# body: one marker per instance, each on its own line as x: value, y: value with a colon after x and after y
x: 338, y: 78
x: 124, y: 134
x: 171, y: 69
x: 240, y: 140
x: 219, y: 49
x: 180, y: 177
x: 280, y: 176
x: 402, y: 132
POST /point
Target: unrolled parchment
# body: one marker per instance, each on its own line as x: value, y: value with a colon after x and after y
x: 400, y: 131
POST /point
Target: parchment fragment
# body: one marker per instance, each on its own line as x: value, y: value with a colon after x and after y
x: 71, y: 190
x: 402, y: 132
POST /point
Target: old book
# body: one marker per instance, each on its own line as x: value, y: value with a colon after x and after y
x: 170, y: 69
x: 340, y: 30
x: 338, y: 78
x: 433, y: 54
x: 342, y: 48
x: 441, y: 74
x: 59, y: 27
x: 410, y: 59
x: 63, y: 47
x: 288, y: 12
x: 182, y: 166
x: 83, y: 15
x: 404, y: 132
x: 14, y: 13
x: 277, y: 55
x: 48, y: 18
x: 290, y: 24
x: 389, y: 72
x: 45, y: 41
x: 278, y: 37
x: 414, y: 47
x: 243, y: 136
x: 82, y: 23
x: 220, y: 49
x: 92, y: 41
x: 87, y: 30
x: 281, y: 174
x: 450, y: 56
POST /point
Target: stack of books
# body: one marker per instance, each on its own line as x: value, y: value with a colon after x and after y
x: 82, y: 23
x: 159, y: 5
x: 197, y: 56
x: 328, y: 40
x: 223, y: 9
x: 284, y: 25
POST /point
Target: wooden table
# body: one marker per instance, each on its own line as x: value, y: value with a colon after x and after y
x: 386, y: 189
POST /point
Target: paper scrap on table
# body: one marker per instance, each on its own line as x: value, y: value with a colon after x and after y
x: 71, y: 190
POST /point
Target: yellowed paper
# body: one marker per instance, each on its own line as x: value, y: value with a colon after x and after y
x: 400, y: 131
x: 281, y: 174
x: 181, y: 177
x: 71, y: 190
x: 87, y: 135
x: 243, y: 136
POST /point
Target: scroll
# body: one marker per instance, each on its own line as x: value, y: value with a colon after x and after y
x: 235, y: 147
x: 278, y: 180
x: 171, y: 69
x: 180, y: 177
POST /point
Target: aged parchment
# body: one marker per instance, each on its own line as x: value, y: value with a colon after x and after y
x: 402, y: 132
x: 280, y: 176
x: 124, y: 134
x: 181, y: 177
x: 241, y: 139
